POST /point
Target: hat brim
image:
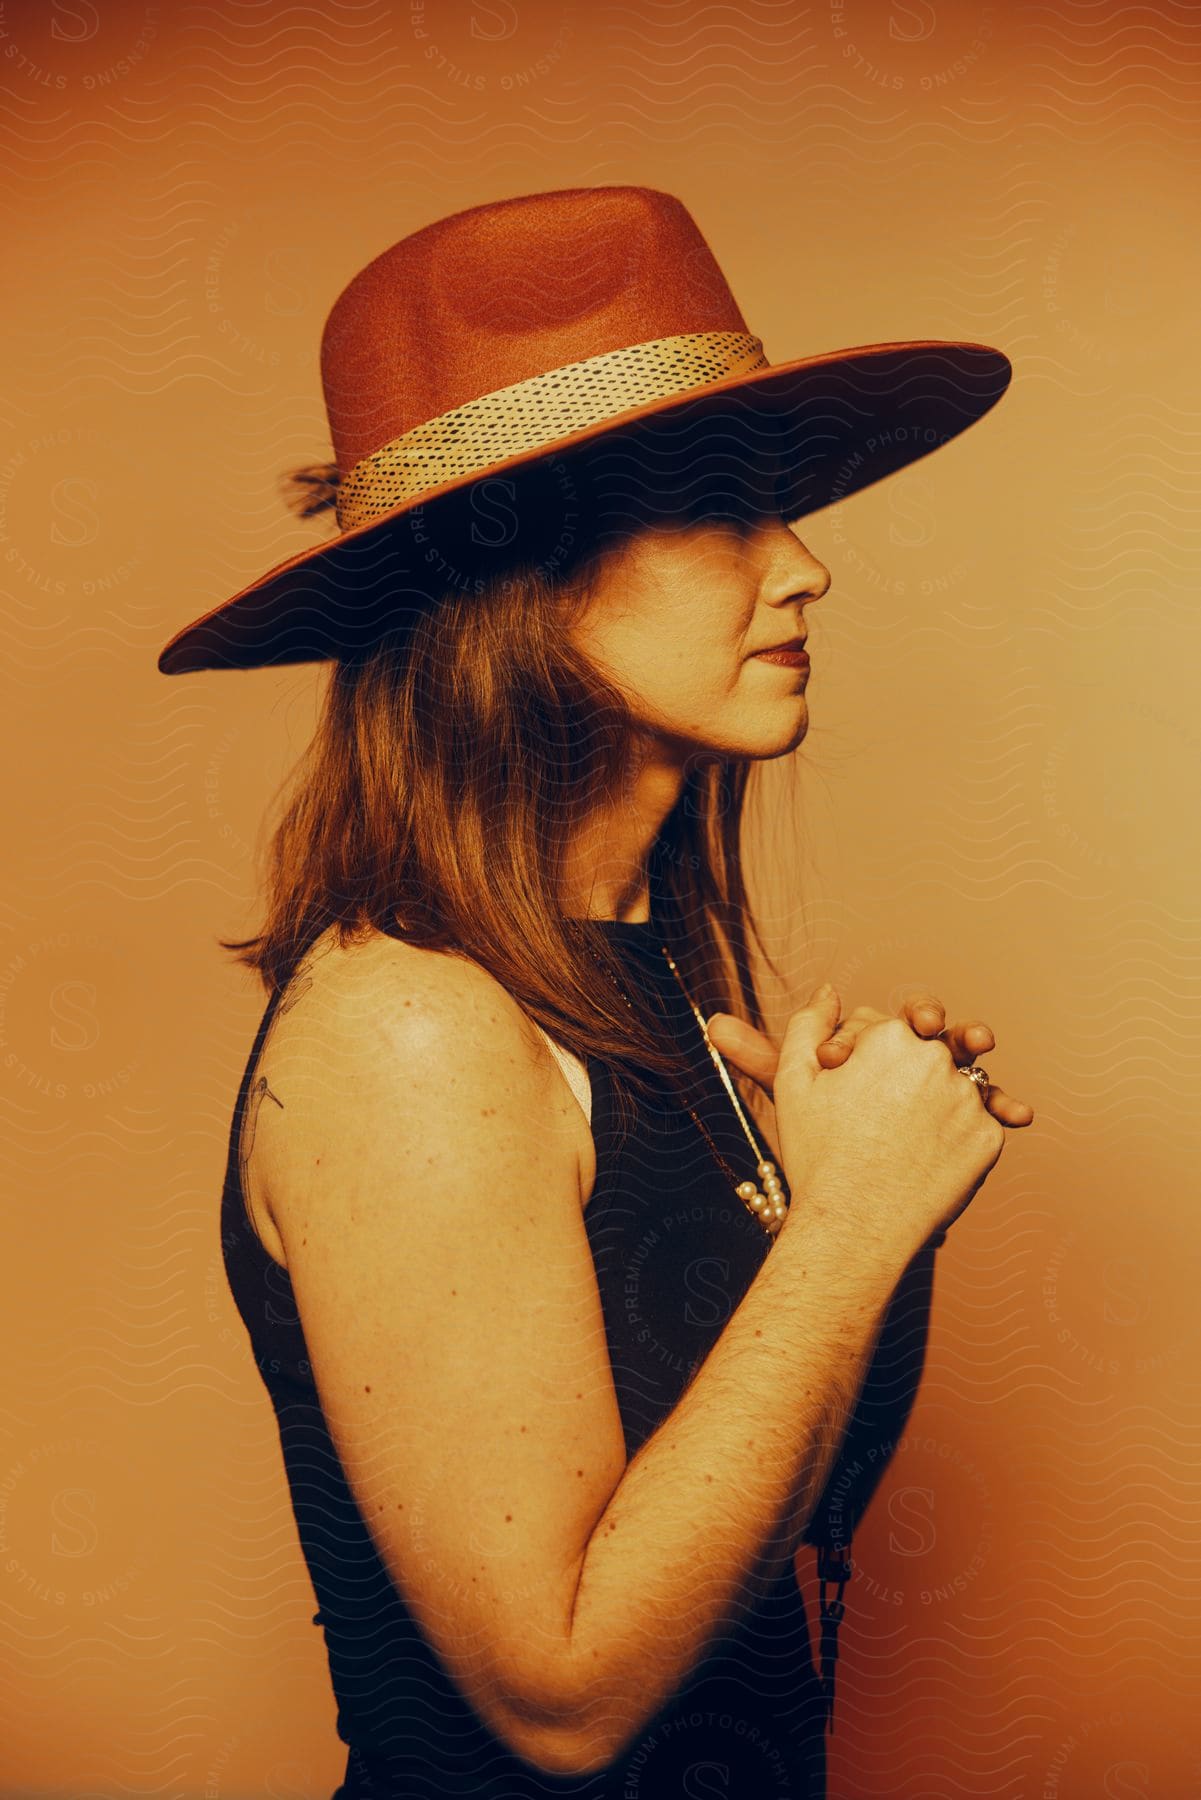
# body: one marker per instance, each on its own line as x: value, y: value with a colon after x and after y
x: 859, y: 415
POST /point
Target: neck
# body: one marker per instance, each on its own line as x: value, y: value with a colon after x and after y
x: 606, y: 867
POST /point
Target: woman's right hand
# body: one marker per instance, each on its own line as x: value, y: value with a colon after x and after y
x: 895, y: 1142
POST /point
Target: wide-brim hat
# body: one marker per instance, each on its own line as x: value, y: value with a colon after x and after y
x: 515, y: 331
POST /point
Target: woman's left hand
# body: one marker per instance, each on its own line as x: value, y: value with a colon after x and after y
x: 756, y: 1055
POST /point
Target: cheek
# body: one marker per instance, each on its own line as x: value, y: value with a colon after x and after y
x: 700, y: 692
x: 662, y: 651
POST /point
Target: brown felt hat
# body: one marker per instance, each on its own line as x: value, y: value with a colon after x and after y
x: 511, y: 332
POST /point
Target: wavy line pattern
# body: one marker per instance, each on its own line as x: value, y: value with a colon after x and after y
x: 995, y: 800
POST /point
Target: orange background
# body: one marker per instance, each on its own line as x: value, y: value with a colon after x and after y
x: 997, y: 799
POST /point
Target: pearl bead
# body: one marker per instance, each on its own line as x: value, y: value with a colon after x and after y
x: 773, y: 1184
x: 767, y: 1168
x: 745, y: 1190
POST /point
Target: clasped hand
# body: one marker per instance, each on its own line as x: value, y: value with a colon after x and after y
x: 757, y: 1055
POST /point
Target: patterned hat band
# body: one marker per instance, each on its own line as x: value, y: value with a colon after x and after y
x: 542, y: 410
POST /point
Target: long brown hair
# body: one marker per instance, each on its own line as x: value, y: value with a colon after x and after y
x: 456, y: 753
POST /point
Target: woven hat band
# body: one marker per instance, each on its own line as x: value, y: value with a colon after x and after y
x: 547, y: 407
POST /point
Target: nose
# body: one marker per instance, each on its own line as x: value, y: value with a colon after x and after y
x: 793, y: 573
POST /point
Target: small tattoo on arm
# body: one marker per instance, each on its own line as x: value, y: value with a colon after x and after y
x: 259, y: 1092
x: 294, y: 990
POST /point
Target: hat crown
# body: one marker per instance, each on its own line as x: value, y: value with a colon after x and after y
x: 505, y: 292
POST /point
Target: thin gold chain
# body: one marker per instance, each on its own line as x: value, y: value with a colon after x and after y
x: 718, y: 1063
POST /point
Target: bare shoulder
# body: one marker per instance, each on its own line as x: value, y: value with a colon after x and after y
x: 376, y: 1034
x: 349, y: 1004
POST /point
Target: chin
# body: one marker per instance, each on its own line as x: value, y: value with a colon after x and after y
x: 760, y: 748
x: 779, y: 743
x: 782, y: 749
x: 756, y: 744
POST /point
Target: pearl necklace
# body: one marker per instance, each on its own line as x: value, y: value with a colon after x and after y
x: 768, y: 1203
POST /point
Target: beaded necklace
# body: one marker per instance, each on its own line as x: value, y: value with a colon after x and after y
x: 769, y: 1204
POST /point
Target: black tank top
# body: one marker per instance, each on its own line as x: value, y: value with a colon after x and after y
x: 675, y: 1250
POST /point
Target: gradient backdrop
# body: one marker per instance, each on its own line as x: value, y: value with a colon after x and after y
x: 997, y: 799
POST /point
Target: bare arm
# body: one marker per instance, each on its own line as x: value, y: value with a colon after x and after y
x: 716, y: 1498
x: 420, y: 1166
x: 877, y: 1420
x: 881, y: 1413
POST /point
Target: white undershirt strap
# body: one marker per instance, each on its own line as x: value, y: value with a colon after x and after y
x: 575, y: 1071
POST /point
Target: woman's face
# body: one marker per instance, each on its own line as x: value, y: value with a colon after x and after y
x: 677, y: 620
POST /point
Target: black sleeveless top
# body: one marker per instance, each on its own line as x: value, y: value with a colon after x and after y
x: 675, y: 1250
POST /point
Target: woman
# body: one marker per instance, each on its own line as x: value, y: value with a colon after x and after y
x: 497, y: 1212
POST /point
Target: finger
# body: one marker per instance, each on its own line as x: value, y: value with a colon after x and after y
x: 1008, y: 1109
x: 925, y: 1012
x: 837, y: 1047
x: 835, y: 1050
x: 968, y: 1039
x: 748, y: 1050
